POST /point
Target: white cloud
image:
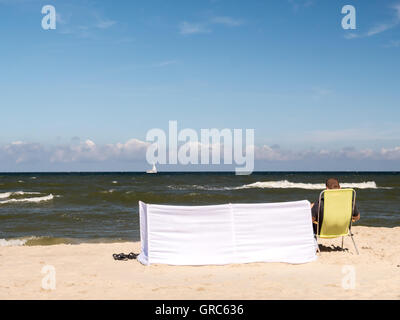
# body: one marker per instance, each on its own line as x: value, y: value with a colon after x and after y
x: 82, y: 22
x: 351, y: 36
x: 88, y: 151
x: 134, y: 150
x: 60, y: 19
x: 391, y: 154
x: 297, y: 4
x: 193, y: 28
x: 22, y: 152
x: 90, y: 144
x: 267, y: 153
x: 381, y: 27
x: 17, y: 143
x: 227, y: 21
x: 272, y: 154
x: 187, y: 28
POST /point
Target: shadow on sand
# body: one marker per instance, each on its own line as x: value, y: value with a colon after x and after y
x: 332, y: 248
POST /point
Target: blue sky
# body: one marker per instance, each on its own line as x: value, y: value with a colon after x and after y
x: 318, y: 96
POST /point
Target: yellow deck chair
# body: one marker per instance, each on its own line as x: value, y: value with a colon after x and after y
x: 338, y: 209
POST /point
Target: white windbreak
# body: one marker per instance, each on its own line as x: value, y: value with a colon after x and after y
x: 225, y: 234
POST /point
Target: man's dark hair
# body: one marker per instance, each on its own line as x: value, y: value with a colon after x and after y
x: 332, y: 183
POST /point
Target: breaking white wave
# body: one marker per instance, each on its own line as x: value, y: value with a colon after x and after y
x: 12, y: 242
x: 6, y: 195
x: 21, y: 193
x: 198, y: 187
x: 16, y: 242
x: 32, y: 200
x: 108, y: 191
x: 284, y: 184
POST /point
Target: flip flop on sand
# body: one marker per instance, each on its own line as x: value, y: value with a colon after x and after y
x: 124, y: 257
x: 132, y: 256
x: 120, y: 256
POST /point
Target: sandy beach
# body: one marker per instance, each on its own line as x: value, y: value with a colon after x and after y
x: 88, y: 271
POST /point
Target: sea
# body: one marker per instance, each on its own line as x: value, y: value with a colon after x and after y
x: 73, y: 208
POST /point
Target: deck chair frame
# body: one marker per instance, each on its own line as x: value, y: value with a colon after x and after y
x: 350, y: 223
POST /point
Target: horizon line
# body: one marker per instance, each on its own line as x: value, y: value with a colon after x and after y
x: 190, y: 172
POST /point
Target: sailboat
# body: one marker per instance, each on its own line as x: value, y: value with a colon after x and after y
x: 153, y: 170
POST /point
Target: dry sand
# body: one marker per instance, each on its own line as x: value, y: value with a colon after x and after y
x: 88, y: 271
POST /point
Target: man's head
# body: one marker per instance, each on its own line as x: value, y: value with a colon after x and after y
x: 332, y: 183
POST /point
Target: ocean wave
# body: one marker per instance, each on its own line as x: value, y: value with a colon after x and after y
x: 6, y: 195
x: 198, y: 187
x: 108, y: 191
x: 12, y: 242
x: 49, y: 241
x: 21, y: 193
x: 285, y: 184
x: 33, y: 241
x: 32, y: 200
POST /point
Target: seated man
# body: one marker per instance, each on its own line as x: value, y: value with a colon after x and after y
x: 331, y: 183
